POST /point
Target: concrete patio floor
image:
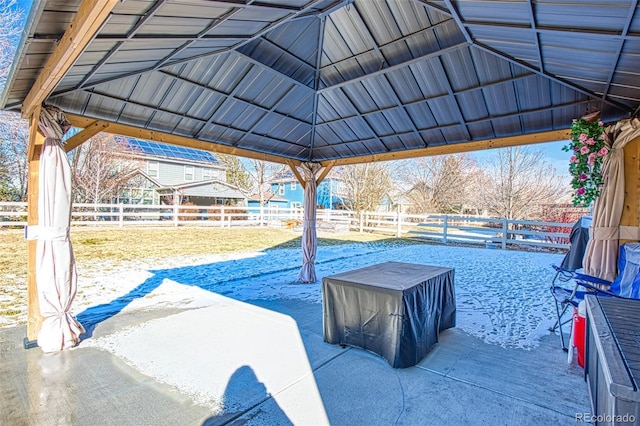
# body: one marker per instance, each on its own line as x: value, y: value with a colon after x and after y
x: 265, y: 363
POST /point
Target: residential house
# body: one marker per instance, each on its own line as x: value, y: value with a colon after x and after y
x: 169, y: 173
x: 270, y: 200
x: 285, y: 185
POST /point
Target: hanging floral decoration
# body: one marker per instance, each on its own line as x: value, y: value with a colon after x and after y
x: 589, y: 148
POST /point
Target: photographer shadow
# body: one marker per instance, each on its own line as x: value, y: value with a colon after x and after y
x: 244, y: 393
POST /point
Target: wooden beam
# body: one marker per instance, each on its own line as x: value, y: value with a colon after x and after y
x: 36, y: 140
x: 631, y: 212
x: 156, y: 136
x: 87, y: 133
x: 552, y: 136
x: 90, y: 17
x: 325, y: 172
x: 296, y: 173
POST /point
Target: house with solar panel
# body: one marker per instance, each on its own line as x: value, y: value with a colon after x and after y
x: 170, y: 173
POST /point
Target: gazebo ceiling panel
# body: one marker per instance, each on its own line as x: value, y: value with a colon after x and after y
x: 506, y: 126
x: 276, y: 58
x: 482, y: 130
x: 335, y: 105
x: 481, y: 10
x: 349, y: 129
x: 453, y: 134
x: 594, y: 14
x: 304, y: 46
x: 420, y: 113
x: 326, y: 79
x: 392, y: 143
x: 473, y: 105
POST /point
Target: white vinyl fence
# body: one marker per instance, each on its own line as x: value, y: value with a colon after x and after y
x: 491, y: 232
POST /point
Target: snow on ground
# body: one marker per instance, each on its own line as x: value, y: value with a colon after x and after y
x: 502, y: 296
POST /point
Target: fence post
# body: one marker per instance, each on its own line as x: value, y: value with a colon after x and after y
x: 399, y: 227
x: 229, y: 216
x: 445, y: 225
x: 504, y: 234
x: 361, y: 222
x: 175, y: 215
x: 121, y: 215
x: 221, y: 216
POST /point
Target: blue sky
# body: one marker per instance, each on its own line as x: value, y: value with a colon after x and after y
x: 552, y: 150
x: 556, y: 156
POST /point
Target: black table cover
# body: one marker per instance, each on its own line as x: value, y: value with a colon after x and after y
x: 393, y: 309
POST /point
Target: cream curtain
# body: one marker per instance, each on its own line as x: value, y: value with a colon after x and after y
x: 602, y: 249
x: 55, y: 265
x: 309, y: 240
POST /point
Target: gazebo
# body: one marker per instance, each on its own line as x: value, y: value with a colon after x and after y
x: 319, y: 83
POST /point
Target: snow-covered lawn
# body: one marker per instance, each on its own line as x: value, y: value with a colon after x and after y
x: 502, y: 296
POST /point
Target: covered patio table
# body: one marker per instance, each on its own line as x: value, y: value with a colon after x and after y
x: 393, y: 309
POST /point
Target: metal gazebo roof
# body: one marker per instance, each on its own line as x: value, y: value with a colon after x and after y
x: 327, y: 80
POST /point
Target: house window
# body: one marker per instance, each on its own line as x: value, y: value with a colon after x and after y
x: 188, y: 173
x: 208, y: 174
x: 153, y: 168
x: 281, y: 189
x: 138, y: 196
x: 294, y: 185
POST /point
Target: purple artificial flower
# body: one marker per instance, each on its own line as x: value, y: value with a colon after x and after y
x: 580, y: 191
x: 583, y: 177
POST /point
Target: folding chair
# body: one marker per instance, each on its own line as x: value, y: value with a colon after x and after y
x: 572, y: 261
x: 625, y: 286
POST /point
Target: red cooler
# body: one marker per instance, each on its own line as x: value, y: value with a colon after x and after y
x: 579, y: 323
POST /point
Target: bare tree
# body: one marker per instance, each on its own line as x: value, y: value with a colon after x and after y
x: 14, y: 134
x: 262, y: 172
x: 440, y: 183
x: 11, y: 18
x: 236, y: 173
x: 521, y: 181
x: 365, y: 185
x: 100, y: 167
x: 476, y: 202
x: 13, y: 174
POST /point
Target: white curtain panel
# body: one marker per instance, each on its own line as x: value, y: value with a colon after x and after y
x: 309, y: 239
x: 55, y: 265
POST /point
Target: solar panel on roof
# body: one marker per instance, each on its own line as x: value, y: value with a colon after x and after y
x: 170, y: 151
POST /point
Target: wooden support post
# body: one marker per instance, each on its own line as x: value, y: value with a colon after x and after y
x: 84, y: 135
x: 34, y: 318
x: 631, y: 211
x: 296, y: 173
x: 325, y: 172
